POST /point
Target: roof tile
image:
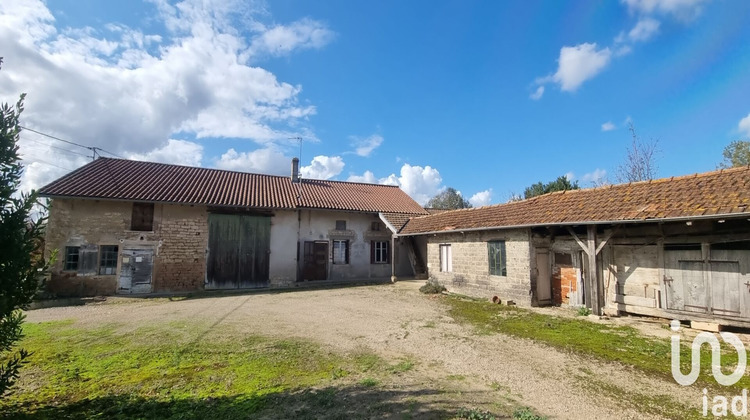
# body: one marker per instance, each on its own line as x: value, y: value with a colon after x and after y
x: 716, y: 193
x: 119, y: 179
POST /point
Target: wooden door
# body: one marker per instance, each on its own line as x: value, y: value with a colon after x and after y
x: 136, y: 269
x: 239, y: 250
x: 315, y: 262
x: 686, y: 285
x: 543, y: 278
x: 725, y: 288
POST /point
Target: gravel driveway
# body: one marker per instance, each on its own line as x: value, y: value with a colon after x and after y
x: 398, y: 321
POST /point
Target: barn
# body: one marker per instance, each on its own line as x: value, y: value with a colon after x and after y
x: 123, y: 226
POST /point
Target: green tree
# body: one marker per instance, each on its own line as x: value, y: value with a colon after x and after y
x: 562, y: 183
x: 737, y: 153
x: 450, y: 199
x: 21, y: 260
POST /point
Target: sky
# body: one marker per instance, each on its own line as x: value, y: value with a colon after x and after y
x: 487, y: 97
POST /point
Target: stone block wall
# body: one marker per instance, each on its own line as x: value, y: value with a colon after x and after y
x: 178, y: 241
x: 180, y: 264
x: 470, y: 261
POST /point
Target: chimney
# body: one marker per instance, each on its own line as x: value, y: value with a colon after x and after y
x: 295, y: 170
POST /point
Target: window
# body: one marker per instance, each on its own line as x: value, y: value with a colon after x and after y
x: 71, y: 258
x: 446, y: 258
x: 341, y: 252
x: 375, y: 227
x: 379, y: 252
x: 340, y: 224
x: 142, y: 218
x: 108, y: 259
x: 496, y: 254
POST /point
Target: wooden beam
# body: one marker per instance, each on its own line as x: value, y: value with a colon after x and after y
x: 593, y: 272
x: 583, y: 246
x: 604, y: 241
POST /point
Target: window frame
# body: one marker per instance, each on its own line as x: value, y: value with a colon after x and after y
x: 334, y: 243
x: 446, y: 258
x: 340, y: 224
x: 108, y: 256
x: 68, y: 263
x: 380, y: 252
x: 495, y: 267
x: 142, y: 217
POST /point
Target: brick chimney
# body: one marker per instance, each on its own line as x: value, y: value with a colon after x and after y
x: 295, y: 170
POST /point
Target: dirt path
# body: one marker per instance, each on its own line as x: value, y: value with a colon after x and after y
x: 397, y: 321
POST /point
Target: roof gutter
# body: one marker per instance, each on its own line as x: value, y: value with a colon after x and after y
x: 585, y: 223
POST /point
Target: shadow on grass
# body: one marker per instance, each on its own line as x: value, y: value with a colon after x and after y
x: 345, y: 402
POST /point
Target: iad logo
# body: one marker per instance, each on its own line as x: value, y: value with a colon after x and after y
x: 698, y: 341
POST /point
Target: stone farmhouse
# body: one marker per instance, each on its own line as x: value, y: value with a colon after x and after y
x: 124, y: 226
x: 675, y: 248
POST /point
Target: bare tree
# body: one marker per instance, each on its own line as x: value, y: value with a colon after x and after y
x: 640, y: 162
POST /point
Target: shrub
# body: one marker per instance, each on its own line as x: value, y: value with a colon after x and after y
x: 431, y: 288
x: 583, y: 311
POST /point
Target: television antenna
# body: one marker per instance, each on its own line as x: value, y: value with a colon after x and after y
x: 299, y: 139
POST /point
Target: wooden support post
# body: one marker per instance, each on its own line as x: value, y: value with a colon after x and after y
x: 393, y: 259
x: 593, y: 272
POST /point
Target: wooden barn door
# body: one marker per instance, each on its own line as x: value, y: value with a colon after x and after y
x: 239, y: 250
x: 686, y: 285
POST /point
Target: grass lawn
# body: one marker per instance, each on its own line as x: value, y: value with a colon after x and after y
x: 179, y: 371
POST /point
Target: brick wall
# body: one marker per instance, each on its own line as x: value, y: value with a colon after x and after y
x: 564, y: 282
x: 178, y: 240
x: 470, y: 262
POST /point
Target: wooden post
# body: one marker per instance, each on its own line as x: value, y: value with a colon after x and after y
x: 393, y: 259
x: 593, y: 272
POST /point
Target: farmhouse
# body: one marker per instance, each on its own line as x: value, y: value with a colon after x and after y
x: 676, y: 247
x: 124, y: 226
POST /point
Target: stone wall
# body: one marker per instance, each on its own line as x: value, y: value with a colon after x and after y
x: 470, y: 261
x: 178, y: 242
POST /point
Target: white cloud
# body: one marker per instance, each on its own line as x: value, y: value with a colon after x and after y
x: 421, y: 183
x: 266, y: 160
x: 482, y: 198
x: 537, y: 93
x: 281, y: 40
x: 681, y: 9
x: 580, y: 63
x: 368, y: 177
x: 129, y: 92
x: 570, y: 176
x: 596, y: 177
x: 608, y: 126
x: 363, y: 147
x: 644, y: 30
x: 179, y: 152
x: 323, y: 167
x: 744, y: 125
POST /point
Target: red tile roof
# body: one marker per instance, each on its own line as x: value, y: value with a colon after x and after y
x: 718, y: 193
x: 119, y: 179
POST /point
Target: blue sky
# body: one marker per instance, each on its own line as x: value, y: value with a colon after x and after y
x: 486, y: 97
